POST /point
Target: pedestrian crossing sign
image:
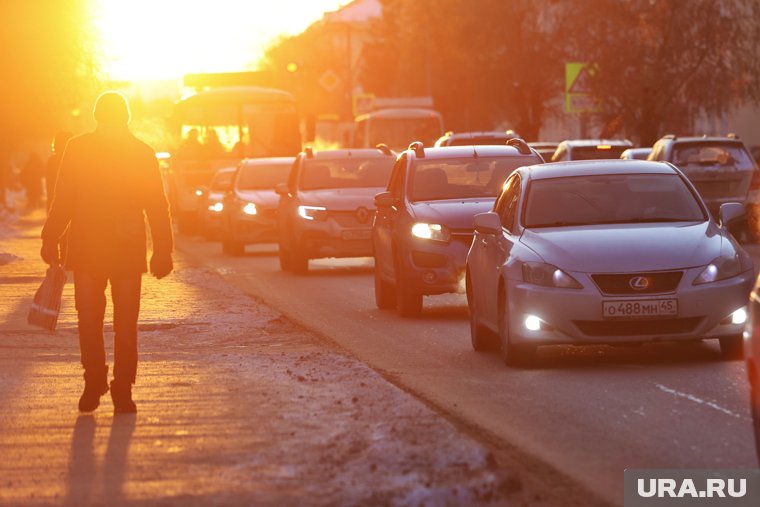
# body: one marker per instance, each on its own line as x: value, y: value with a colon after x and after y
x: 578, y: 77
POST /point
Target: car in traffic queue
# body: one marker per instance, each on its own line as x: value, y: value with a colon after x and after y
x: 212, y: 201
x: 250, y: 204
x: 752, y: 357
x: 326, y: 207
x: 636, y: 153
x: 589, y: 149
x: 544, y: 148
x: 604, y: 252
x: 475, y: 138
x: 424, y: 221
x: 720, y: 167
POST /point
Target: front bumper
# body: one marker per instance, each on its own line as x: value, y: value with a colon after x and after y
x: 327, y: 238
x: 574, y: 316
x: 259, y: 228
x: 435, y: 267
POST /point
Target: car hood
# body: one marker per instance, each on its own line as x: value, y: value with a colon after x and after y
x: 626, y: 247
x: 267, y: 198
x: 341, y: 198
x: 456, y: 214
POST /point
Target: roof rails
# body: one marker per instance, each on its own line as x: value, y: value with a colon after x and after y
x: 521, y: 145
x: 732, y: 135
x: 418, y: 148
x: 309, y: 152
x: 384, y: 148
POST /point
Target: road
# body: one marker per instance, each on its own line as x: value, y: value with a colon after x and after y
x: 586, y: 413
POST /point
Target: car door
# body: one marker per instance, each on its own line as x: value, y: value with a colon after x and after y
x: 497, y: 248
x: 385, y: 219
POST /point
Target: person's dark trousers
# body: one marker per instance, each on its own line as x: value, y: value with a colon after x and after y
x: 90, y: 297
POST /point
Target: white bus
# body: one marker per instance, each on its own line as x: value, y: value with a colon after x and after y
x: 398, y: 127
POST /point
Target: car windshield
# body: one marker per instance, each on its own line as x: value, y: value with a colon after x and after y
x: 222, y: 180
x: 347, y: 172
x: 610, y: 199
x: 458, y: 178
x: 598, y: 152
x: 262, y: 176
x: 712, y: 154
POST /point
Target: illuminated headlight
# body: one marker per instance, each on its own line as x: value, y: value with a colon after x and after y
x: 217, y: 207
x: 723, y: 267
x: 249, y: 209
x: 532, y: 323
x: 312, y: 212
x: 198, y: 192
x: 539, y: 273
x: 435, y: 232
x: 739, y: 316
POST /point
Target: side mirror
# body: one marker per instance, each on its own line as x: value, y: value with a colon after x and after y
x: 488, y: 223
x: 282, y: 189
x: 385, y: 200
x: 730, y: 212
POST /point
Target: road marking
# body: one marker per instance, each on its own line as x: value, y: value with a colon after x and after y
x: 697, y: 400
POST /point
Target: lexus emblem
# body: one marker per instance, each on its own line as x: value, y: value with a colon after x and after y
x: 639, y: 283
x: 362, y: 215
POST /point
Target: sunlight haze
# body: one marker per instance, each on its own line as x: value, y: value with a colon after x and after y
x: 164, y: 39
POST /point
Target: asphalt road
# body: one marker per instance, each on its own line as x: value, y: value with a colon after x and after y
x: 587, y: 412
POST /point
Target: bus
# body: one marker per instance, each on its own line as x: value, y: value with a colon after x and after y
x: 398, y: 127
x: 220, y: 126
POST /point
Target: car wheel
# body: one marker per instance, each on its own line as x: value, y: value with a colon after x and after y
x: 299, y: 263
x: 512, y: 355
x: 731, y: 347
x: 408, y: 300
x: 385, y: 295
x: 480, y: 337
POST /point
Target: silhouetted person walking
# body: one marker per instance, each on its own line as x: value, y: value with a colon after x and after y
x: 108, y: 182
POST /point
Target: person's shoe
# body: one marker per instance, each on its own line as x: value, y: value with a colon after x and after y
x: 95, y: 386
x: 121, y: 395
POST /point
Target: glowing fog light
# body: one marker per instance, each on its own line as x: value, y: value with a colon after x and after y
x: 249, y: 209
x: 217, y: 207
x: 532, y: 323
x: 739, y: 316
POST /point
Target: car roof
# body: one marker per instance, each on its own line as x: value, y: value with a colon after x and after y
x: 596, y: 167
x: 596, y: 142
x: 266, y: 160
x: 481, y: 133
x: 481, y: 150
x: 703, y: 139
x: 222, y: 170
x: 350, y: 153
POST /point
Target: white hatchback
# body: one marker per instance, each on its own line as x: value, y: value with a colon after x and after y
x: 607, y: 251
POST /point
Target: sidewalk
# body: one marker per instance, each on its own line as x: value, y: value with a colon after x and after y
x: 236, y: 406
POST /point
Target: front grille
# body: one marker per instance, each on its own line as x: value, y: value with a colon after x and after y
x: 638, y: 283
x: 637, y: 327
x: 351, y: 218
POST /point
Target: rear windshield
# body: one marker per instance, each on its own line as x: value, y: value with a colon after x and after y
x: 439, y: 179
x: 595, y: 152
x: 712, y: 154
x: 262, y: 176
x: 610, y: 199
x: 346, y: 173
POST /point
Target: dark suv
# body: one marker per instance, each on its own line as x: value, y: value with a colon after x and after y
x: 721, y: 169
x: 424, y: 221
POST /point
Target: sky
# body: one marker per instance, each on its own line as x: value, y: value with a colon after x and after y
x: 165, y: 39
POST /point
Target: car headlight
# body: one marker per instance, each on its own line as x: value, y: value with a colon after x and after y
x: 249, y: 209
x: 217, y: 207
x: 435, y: 232
x: 540, y: 273
x: 312, y: 212
x: 725, y: 266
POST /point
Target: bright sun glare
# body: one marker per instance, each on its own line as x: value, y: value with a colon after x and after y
x: 165, y: 39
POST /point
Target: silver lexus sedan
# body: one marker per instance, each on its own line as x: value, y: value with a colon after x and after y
x: 604, y: 251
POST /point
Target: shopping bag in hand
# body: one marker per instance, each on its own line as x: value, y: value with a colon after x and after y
x: 47, y: 299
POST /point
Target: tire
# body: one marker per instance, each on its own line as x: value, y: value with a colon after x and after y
x: 284, y: 255
x: 480, y: 337
x: 731, y: 348
x: 512, y: 355
x: 299, y: 263
x: 408, y: 300
x: 385, y: 295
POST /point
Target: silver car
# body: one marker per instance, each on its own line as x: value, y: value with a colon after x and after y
x: 607, y: 251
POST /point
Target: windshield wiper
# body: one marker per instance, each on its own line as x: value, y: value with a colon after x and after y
x: 558, y: 223
x: 649, y: 220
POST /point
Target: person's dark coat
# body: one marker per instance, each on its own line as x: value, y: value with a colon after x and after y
x: 107, y: 183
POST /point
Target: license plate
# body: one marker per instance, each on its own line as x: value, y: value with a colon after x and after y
x: 357, y: 234
x: 639, y: 308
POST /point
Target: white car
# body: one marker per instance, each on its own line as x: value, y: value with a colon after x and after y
x: 607, y: 251
x: 752, y: 354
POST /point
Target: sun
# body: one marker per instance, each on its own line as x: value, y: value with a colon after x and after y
x: 165, y: 39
